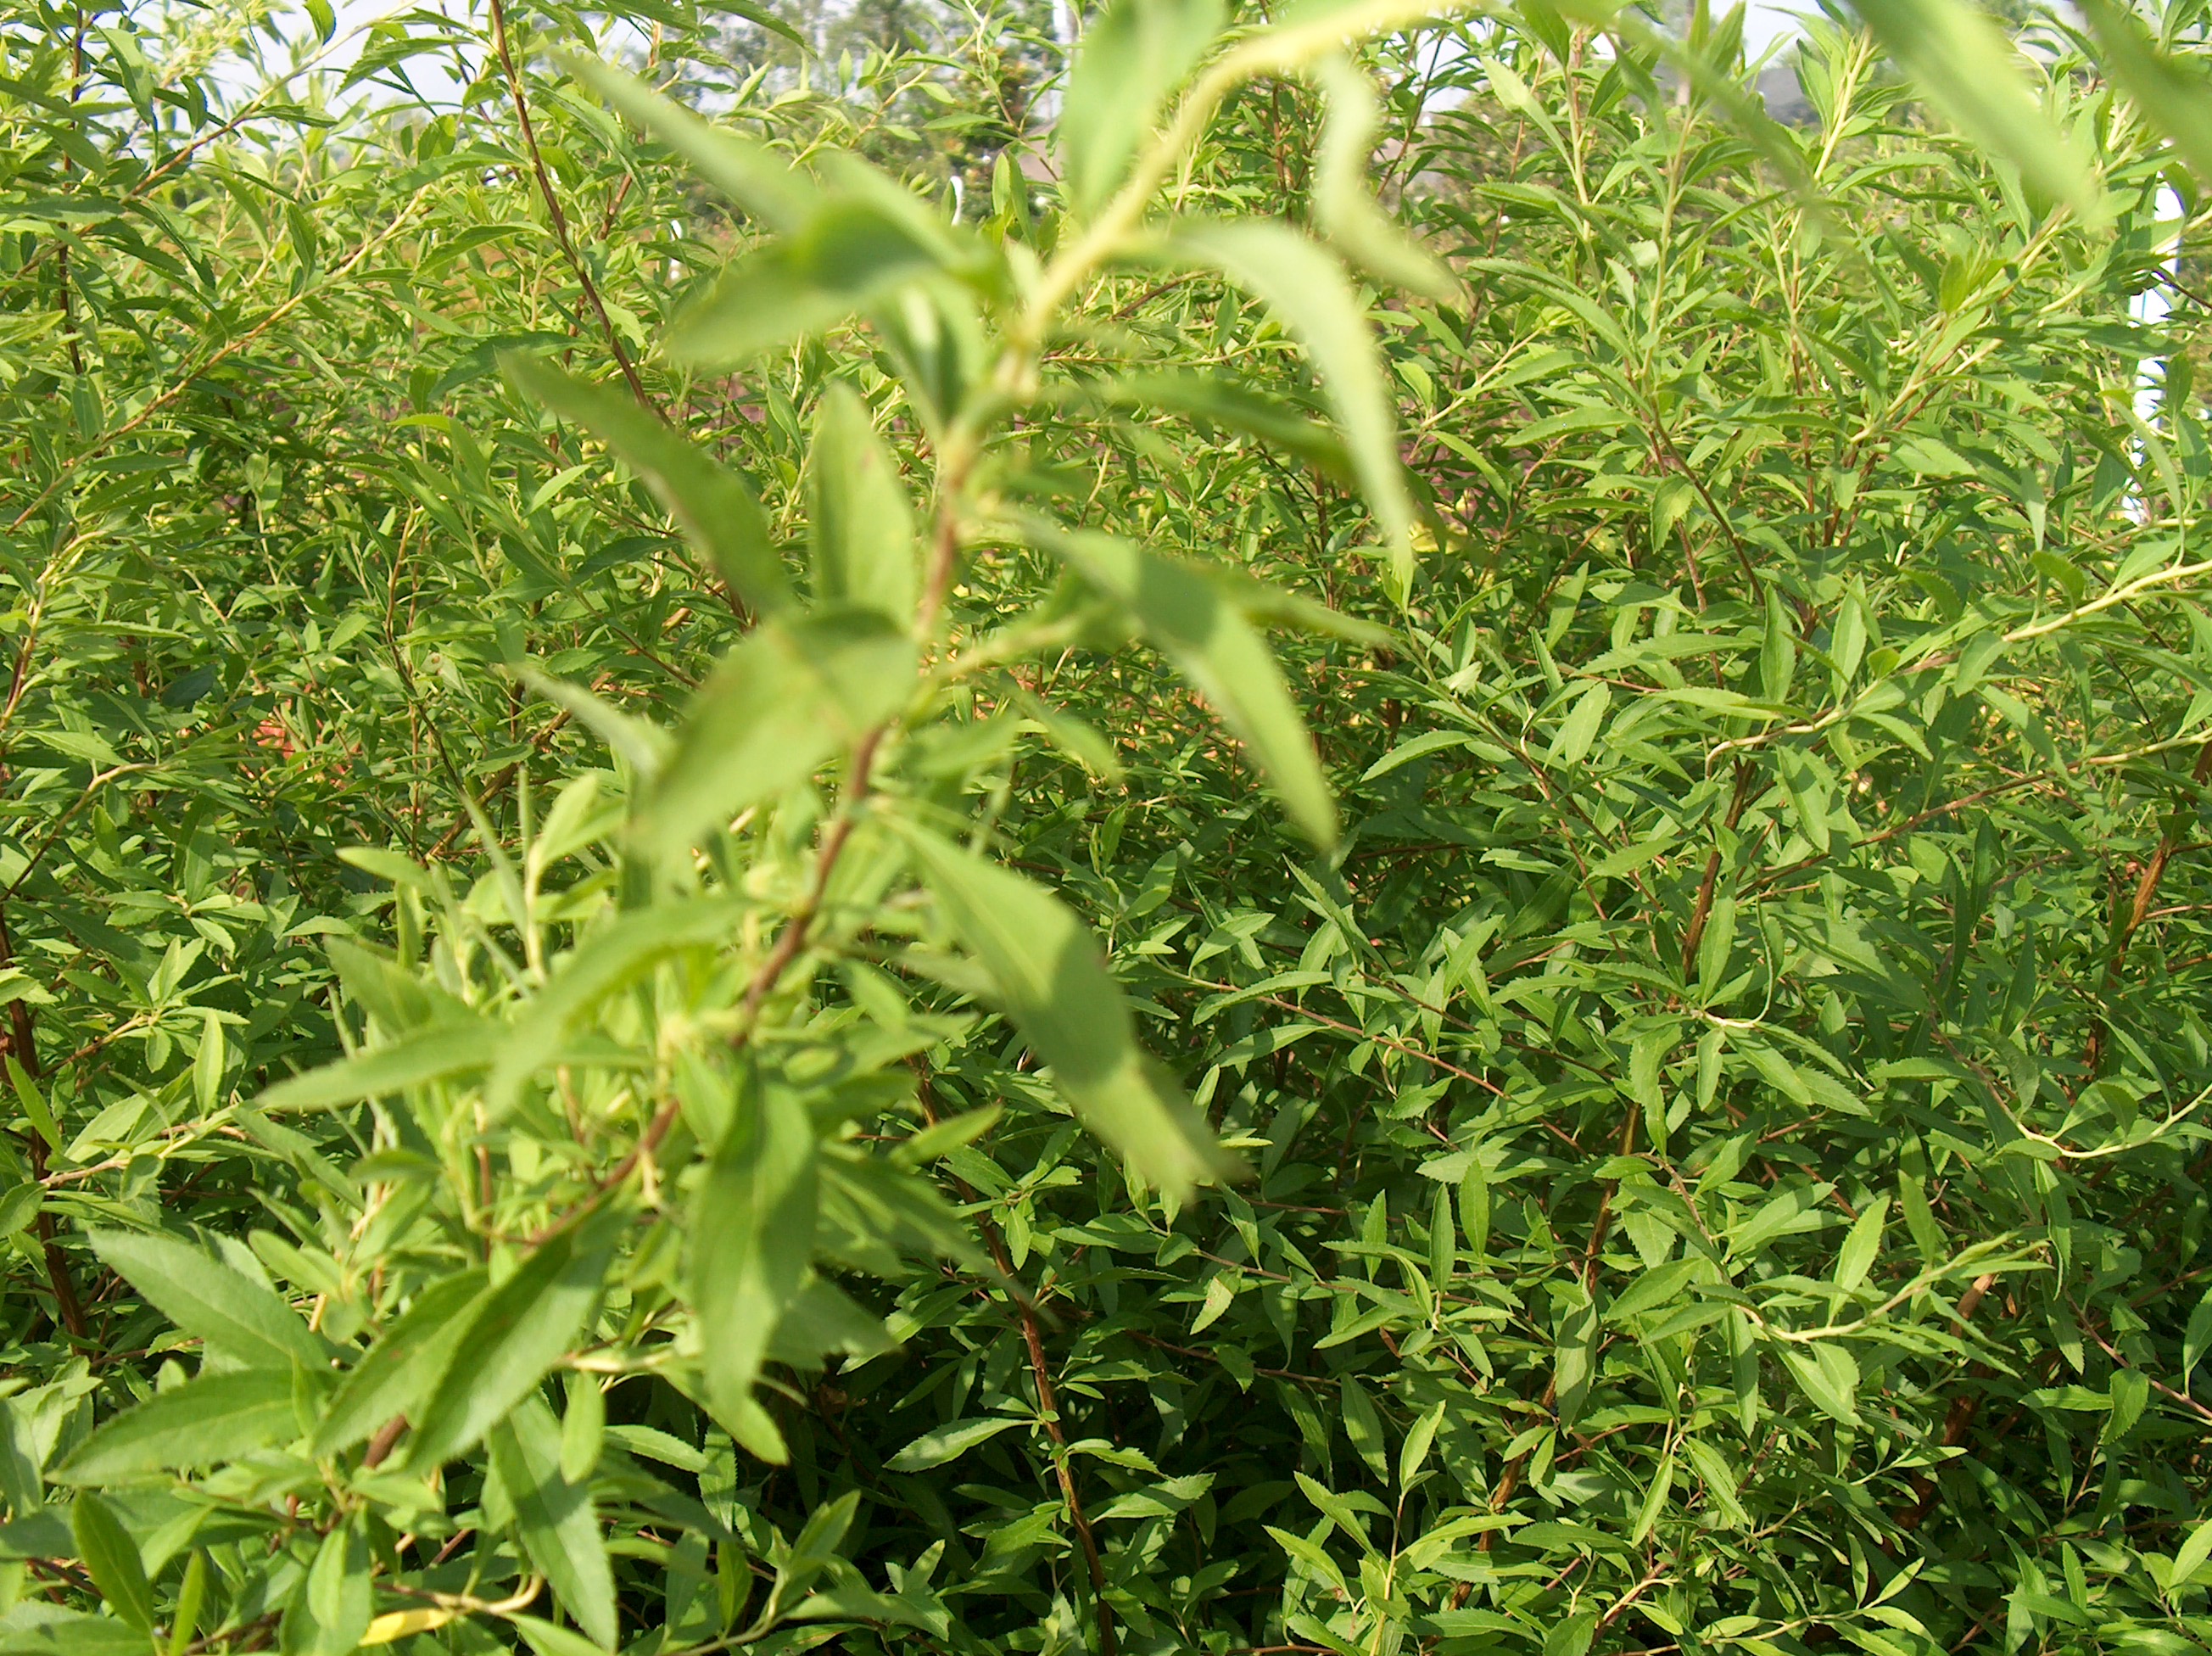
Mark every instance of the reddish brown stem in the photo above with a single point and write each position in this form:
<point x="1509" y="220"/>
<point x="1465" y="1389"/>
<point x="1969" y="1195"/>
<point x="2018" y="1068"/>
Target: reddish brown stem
<point x="20" y="1041"/>
<point x="2126" y="925"/>
<point x="1048" y="1403"/>
<point x="1693" y="938"/>
<point x="560" y="219"/>
<point x="1957" y="1423"/>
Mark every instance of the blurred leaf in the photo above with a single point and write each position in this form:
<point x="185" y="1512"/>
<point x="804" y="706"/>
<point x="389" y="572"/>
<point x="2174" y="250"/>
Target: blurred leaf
<point x="331" y="1614"/>
<point x="439" y="1052"/>
<point x="1345" y="207"/>
<point x="1050" y="977"/>
<point x="1307" y="291"/>
<point x="518" y="1330"/>
<point x="1964" y="62"/>
<point x="752" y="1230"/>
<point x="716" y="508"/>
<point x="1134" y="56"/>
<point x="778" y="706"/>
<point x="749" y="174"/>
<point x="2173" y="93"/>
<point x="864" y="553"/>
<point x="400" y="1369"/>
<point x="1194" y="623"/>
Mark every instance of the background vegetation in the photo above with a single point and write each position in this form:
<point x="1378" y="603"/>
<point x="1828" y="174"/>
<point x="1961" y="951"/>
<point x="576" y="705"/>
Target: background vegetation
<point x="952" y="867"/>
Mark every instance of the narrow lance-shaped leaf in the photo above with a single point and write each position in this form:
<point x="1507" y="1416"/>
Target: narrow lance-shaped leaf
<point x="441" y="1052"/>
<point x="1047" y="967"/>
<point x="752" y="1232"/>
<point x="1134" y="55"/>
<point x="110" y="1558"/>
<point x="1308" y="292"/>
<point x="869" y="238"/>
<point x="402" y="1366"/>
<point x="749" y="174"/>
<point x="331" y="1613"/>
<point x="603" y="962"/>
<point x="778" y="706"/>
<point x="715" y="507"/>
<point x="215" y="1418"/>
<point x="1964" y="62"/>
<point x="2174" y="94"/>
<point x="946" y="1443"/>
<point x="517" y="1332"/>
<point x="864" y="542"/>
<point x="1193" y="622"/>
<point x="554" y="1518"/>
<point x="1344" y="203"/>
<point x="240" y="1320"/>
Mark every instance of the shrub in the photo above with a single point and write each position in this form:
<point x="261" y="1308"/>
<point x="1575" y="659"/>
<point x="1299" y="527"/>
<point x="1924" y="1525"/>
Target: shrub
<point x="753" y="903"/>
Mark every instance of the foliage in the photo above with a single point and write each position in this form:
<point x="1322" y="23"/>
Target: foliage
<point x="745" y="908"/>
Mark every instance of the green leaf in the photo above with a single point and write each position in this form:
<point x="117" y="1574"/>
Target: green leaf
<point x="1964" y="62"/>
<point x="19" y="1206"/>
<point x="639" y="744"/>
<point x="864" y="243"/>
<point x="2196" y="1339"/>
<point x="948" y="1442"/>
<point x="36" y="1628"/>
<point x="714" y="506"/>
<point x="551" y="1639"/>
<point x="110" y="1558"/>
<point x="1829" y="1376"/>
<point x="1215" y="399"/>
<point x="191" y="1598"/>
<point x="403" y="1365"/>
<point x="332" y="1609"/>
<point x="821" y="1319"/>
<point x="34" y="1103"/>
<point x="749" y="174"/>
<point x="2129" y="1391"/>
<point x="1580" y="727"/>
<point x="1474" y="1210"/>
<point x="1049" y="976"/>
<point x="1308" y="291"/>
<point x="1720" y="1481"/>
<point x="1195" y="624"/>
<point x="1858" y="1254"/>
<point x="213" y="1419"/>
<point x="1345" y="207"/>
<point x="583" y="1428"/>
<point x="517" y="1331"/>
<point x="554" y="1518"/>
<point x="1135" y="54"/>
<point x="1364" y="1426"/>
<point x="1413" y="1452"/>
<point x="2173" y="93"/>
<point x="240" y="1321"/>
<point x="604" y="961"/>
<point x="864" y="553"/>
<point x="778" y="706"/>
<point x="1778" y="653"/>
<point x="752" y="1233"/>
<point x="2189" y="1556"/>
<point x="816" y="1545"/>
<point x="441" y="1052"/>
